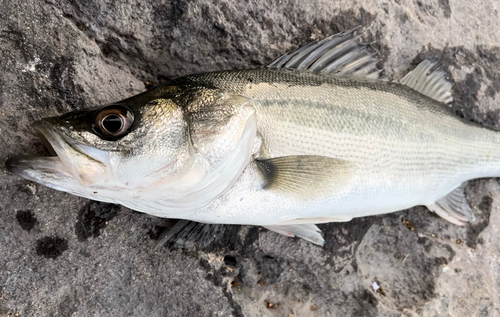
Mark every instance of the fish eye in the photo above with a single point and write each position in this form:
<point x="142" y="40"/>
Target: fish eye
<point x="111" y="123"/>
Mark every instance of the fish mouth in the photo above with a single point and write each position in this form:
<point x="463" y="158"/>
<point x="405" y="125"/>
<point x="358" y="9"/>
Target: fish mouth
<point x="36" y="168"/>
<point x="61" y="166"/>
<point x="44" y="140"/>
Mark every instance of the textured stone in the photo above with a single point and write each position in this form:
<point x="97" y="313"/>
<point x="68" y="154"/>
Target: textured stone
<point x="65" y="256"/>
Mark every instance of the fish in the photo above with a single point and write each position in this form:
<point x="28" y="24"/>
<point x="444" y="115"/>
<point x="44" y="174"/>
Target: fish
<point x="314" y="137"/>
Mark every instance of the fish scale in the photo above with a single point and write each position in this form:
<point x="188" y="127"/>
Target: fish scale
<point x="395" y="113"/>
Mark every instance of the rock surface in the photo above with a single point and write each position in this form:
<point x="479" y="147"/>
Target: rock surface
<point x="64" y="256"/>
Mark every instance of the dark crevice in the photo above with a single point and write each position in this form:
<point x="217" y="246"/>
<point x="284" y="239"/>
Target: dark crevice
<point x="51" y="247"/>
<point x="93" y="218"/>
<point x="26" y="219"/>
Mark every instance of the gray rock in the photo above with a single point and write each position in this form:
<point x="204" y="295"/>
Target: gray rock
<point x="64" y="256"/>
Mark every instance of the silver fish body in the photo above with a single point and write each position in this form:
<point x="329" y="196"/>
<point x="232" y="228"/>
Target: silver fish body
<point x="314" y="137"/>
<point x="407" y="149"/>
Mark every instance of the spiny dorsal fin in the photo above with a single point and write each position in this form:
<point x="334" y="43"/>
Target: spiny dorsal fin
<point x="454" y="207"/>
<point x="432" y="84"/>
<point x="306" y="176"/>
<point x="339" y="54"/>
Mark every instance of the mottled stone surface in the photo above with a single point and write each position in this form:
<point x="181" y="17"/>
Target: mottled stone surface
<point x="61" y="255"/>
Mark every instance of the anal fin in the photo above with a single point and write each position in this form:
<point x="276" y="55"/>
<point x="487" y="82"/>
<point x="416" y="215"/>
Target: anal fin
<point x="454" y="207"/>
<point x="308" y="232"/>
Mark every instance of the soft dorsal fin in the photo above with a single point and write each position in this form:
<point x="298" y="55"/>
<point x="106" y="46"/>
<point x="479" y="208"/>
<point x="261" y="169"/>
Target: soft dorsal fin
<point x="339" y="54"/>
<point x="432" y="84"/>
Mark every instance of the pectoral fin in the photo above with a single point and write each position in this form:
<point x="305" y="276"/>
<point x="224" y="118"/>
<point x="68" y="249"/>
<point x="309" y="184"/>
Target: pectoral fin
<point x="306" y="176"/>
<point x="308" y="232"/>
<point x="324" y="219"/>
<point x="454" y="207"/>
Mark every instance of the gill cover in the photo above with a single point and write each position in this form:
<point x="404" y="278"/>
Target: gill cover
<point x="223" y="133"/>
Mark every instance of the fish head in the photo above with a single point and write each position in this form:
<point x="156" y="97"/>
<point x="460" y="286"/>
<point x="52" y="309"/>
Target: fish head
<point x="154" y="146"/>
<point x="126" y="146"/>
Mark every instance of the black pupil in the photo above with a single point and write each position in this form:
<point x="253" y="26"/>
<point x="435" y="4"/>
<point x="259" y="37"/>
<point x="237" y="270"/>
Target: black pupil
<point x="112" y="123"/>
